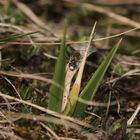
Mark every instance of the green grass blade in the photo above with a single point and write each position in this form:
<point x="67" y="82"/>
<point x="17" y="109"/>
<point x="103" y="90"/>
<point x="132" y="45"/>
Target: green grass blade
<point x="90" y="89"/>
<point x="14" y="37"/>
<point x="56" y="94"/>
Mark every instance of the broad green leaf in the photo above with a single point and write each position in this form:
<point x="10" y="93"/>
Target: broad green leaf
<point x="14" y="37"/>
<point x="90" y="89"/>
<point x="56" y="94"/>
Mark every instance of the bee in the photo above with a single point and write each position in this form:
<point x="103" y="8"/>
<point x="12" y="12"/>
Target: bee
<point x="77" y="55"/>
<point x="74" y="60"/>
<point x="72" y="64"/>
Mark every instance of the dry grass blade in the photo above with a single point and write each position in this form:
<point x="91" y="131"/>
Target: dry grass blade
<point x="108" y="13"/>
<point x="30" y="76"/>
<point x="130" y="63"/>
<point x="50" y="131"/>
<point x="50" y="56"/>
<point x="18" y="29"/>
<point x="81" y="69"/>
<point x="130" y="121"/>
<point x="69" y="75"/>
<point x="75" y="121"/>
<point x="76" y="42"/>
<point x="15" y="116"/>
<point x="13" y="87"/>
<point x="5" y="117"/>
<point x="77" y="84"/>
<point x="129" y="73"/>
<point x="97" y="104"/>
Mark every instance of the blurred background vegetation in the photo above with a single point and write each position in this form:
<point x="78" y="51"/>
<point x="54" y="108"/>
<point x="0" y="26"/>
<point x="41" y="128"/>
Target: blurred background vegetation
<point x="24" y="63"/>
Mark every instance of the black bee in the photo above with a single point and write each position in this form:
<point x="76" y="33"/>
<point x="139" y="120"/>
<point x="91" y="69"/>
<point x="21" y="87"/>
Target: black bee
<point x="73" y="62"/>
